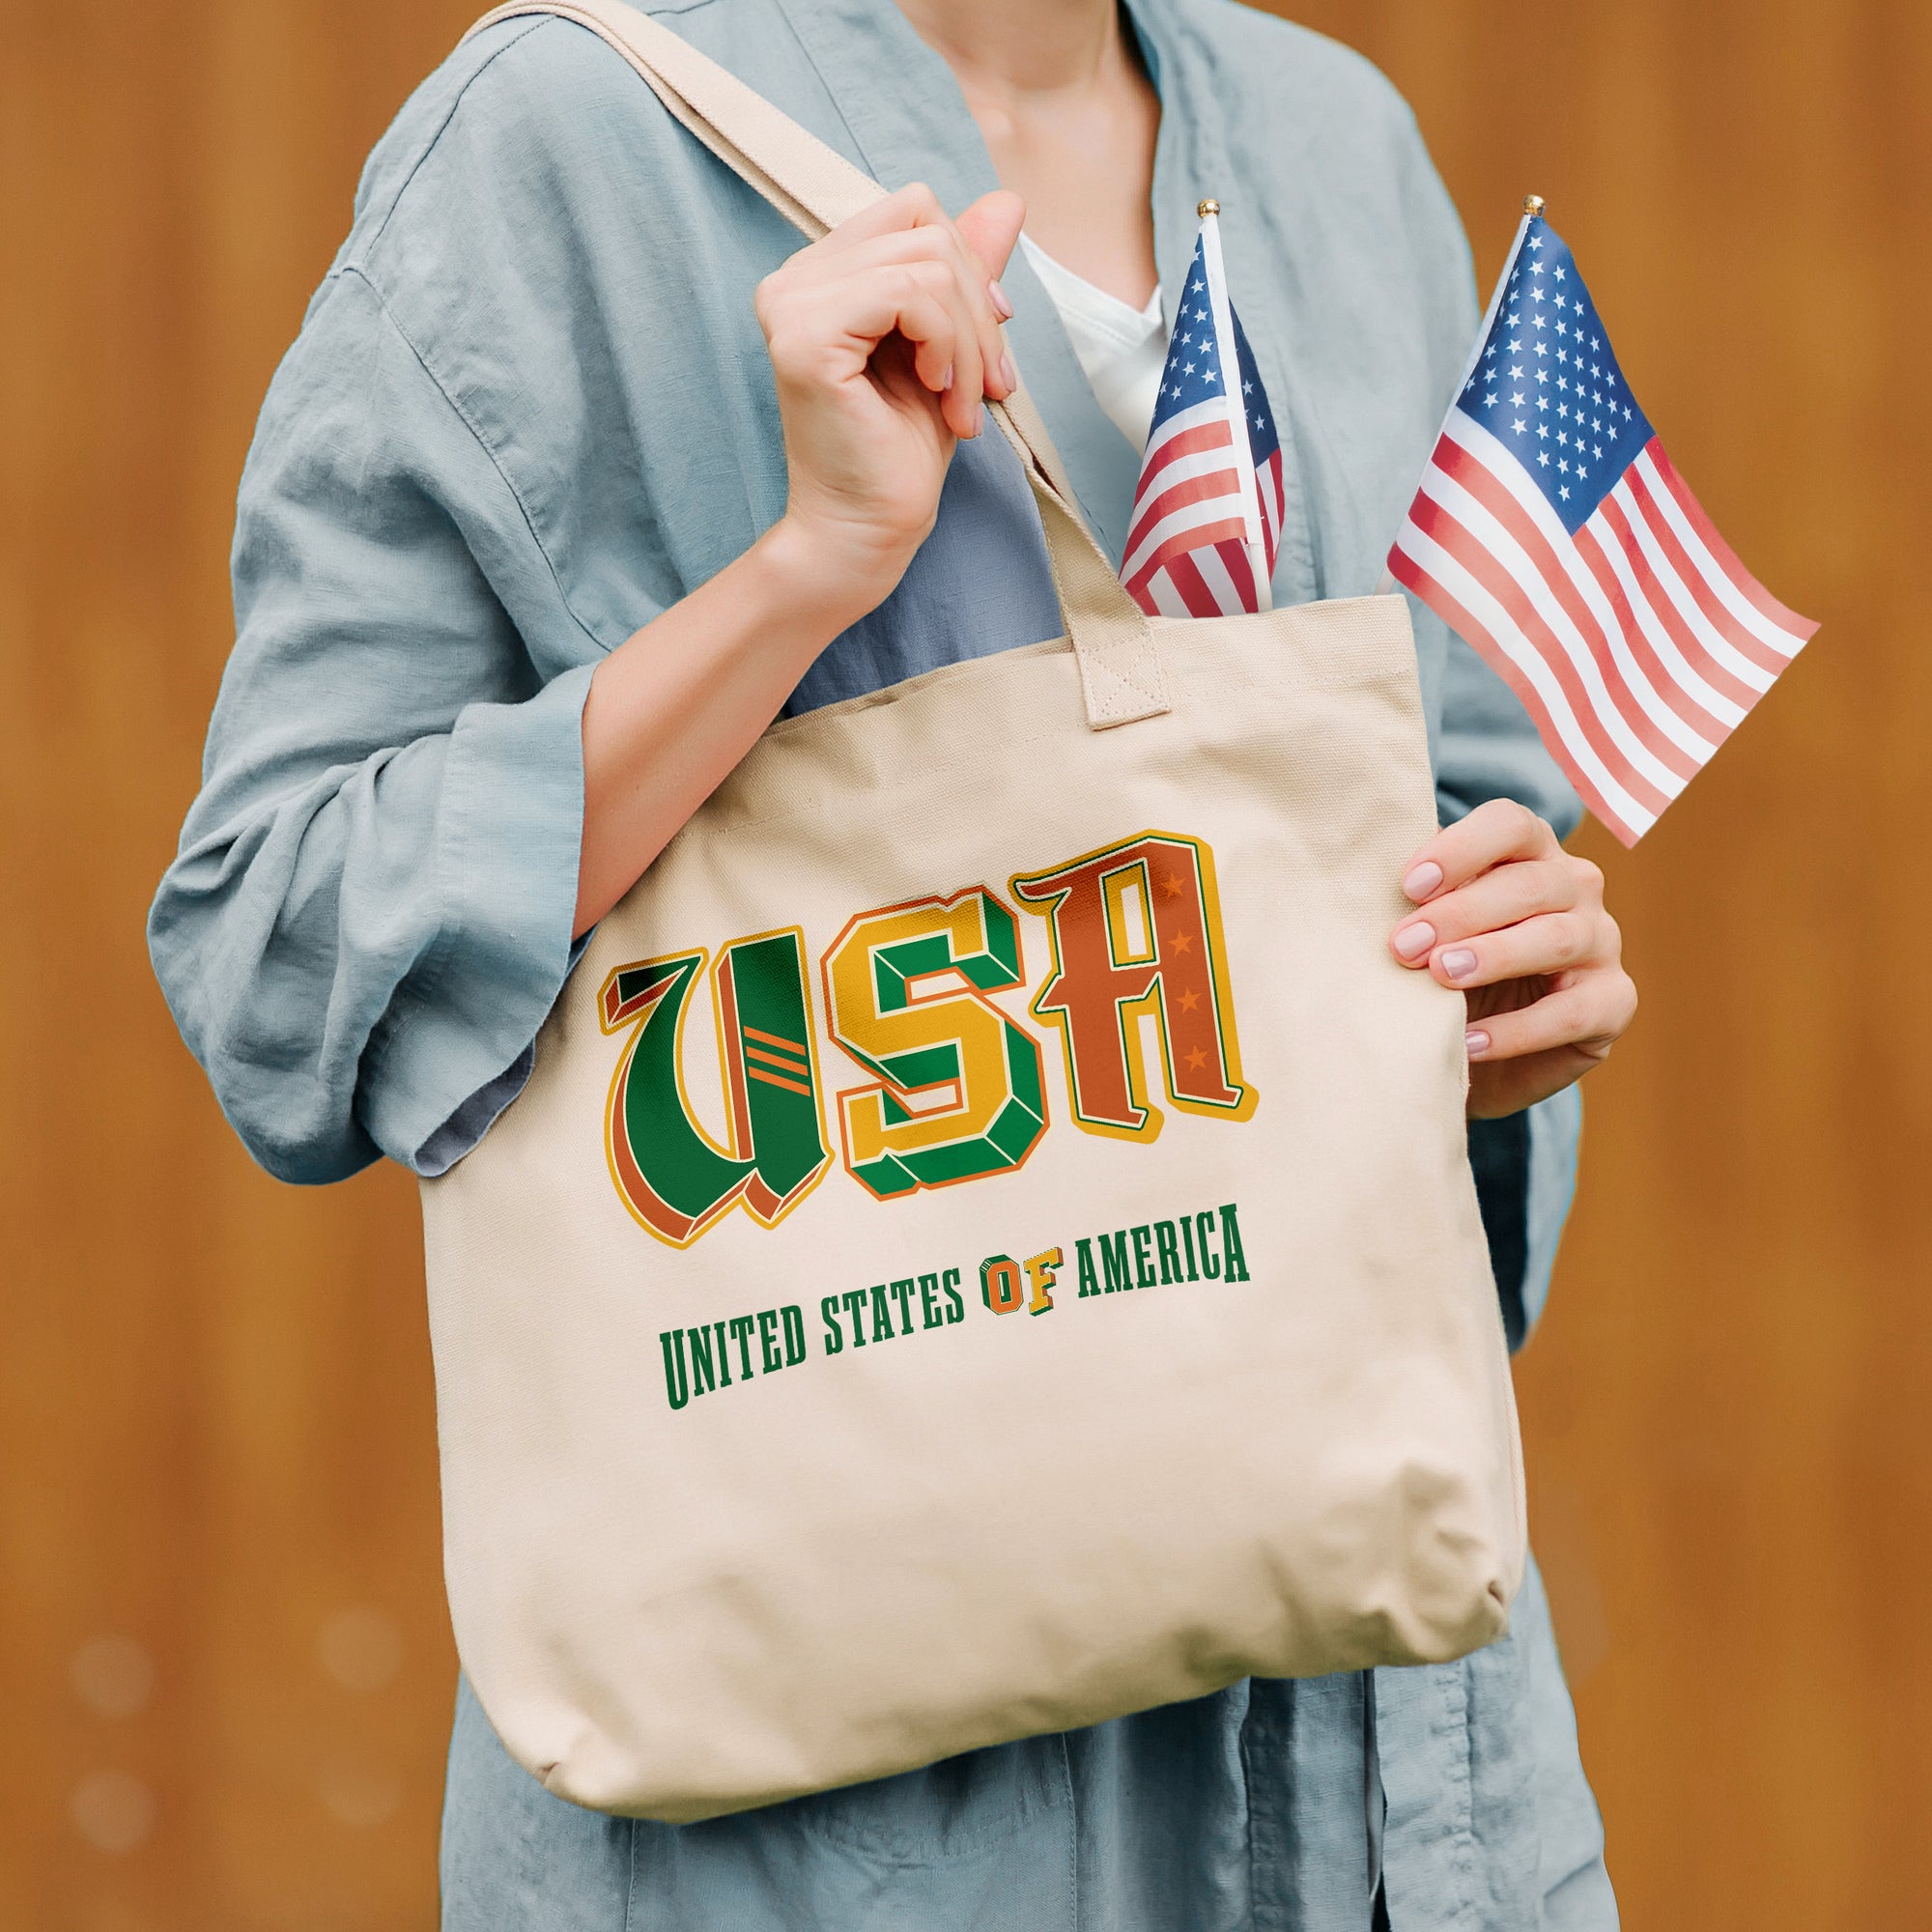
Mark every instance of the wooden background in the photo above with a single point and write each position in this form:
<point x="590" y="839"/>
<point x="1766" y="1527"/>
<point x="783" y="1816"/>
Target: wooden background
<point x="225" y="1670"/>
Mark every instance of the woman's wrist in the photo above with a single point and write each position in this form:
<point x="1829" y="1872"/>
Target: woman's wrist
<point x="814" y="579"/>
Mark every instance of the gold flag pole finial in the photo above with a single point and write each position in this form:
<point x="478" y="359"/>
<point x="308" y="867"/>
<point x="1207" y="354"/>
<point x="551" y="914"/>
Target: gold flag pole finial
<point x="1533" y="205"/>
<point x="1207" y="208"/>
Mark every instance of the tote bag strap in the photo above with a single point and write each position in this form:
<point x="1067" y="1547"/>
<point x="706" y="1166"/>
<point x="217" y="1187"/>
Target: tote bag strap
<point x="816" y="188"/>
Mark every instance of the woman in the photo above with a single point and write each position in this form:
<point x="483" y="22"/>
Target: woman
<point x="579" y="471"/>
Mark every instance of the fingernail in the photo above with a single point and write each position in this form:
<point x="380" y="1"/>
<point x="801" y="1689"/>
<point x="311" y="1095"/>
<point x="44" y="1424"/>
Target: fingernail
<point x="945" y="380"/>
<point x="1460" y="963"/>
<point x="1008" y="374"/>
<point x="1477" y="1041"/>
<point x="1423" y="881"/>
<point x="997" y="296"/>
<point x="1413" y="941"/>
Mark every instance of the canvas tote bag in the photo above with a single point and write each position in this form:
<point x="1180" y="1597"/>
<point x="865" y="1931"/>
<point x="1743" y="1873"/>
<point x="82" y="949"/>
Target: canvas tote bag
<point x="988" y="1242"/>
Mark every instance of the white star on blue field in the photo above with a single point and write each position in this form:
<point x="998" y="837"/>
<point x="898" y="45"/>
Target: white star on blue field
<point x="1547" y="386"/>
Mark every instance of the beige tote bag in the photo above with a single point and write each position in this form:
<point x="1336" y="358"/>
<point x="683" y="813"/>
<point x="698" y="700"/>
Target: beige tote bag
<point x="988" y="1243"/>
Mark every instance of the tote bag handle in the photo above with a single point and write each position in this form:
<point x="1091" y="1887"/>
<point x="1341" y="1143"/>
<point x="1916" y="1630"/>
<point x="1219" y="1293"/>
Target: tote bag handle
<point x="816" y="190"/>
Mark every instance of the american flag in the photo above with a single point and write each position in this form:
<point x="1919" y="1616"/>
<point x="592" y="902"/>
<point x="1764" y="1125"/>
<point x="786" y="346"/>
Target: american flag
<point x="1553" y="533"/>
<point x="1207" y="517"/>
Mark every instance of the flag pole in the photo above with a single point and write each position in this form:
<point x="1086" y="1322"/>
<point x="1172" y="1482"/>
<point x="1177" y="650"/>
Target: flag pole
<point x="1533" y="206"/>
<point x="1209" y="211"/>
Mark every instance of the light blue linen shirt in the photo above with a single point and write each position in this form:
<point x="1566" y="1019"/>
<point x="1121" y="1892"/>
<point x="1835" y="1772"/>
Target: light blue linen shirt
<point x="529" y="410"/>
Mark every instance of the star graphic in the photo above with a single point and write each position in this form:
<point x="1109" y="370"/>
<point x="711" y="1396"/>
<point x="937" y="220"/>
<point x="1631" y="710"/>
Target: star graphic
<point x="1189" y="1000"/>
<point x="1170" y="884"/>
<point x="1197" y="1060"/>
<point x="1184" y="941"/>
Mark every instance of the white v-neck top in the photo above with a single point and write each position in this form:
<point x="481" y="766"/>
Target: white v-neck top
<point x="1120" y="349"/>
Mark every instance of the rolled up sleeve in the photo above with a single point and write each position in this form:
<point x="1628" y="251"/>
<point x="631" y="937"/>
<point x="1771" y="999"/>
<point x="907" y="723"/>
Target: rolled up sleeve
<point x="370" y="914"/>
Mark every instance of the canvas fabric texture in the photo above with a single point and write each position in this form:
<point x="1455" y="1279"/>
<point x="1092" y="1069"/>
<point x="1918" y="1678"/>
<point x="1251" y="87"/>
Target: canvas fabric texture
<point x="988" y="1241"/>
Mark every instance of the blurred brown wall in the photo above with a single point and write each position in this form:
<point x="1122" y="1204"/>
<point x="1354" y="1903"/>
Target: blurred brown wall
<point x="225" y="1670"/>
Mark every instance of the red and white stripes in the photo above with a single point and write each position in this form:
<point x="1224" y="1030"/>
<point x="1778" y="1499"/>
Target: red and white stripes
<point x="1187" y="551"/>
<point x="1637" y="645"/>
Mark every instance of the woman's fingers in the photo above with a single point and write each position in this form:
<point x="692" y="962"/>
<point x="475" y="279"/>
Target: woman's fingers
<point x="992" y="229"/>
<point x="829" y="332"/>
<point x="914" y="206"/>
<point x="910" y="228"/>
<point x="1542" y="947"/>
<point x="1496" y="833"/>
<point x="1586" y="1016"/>
<point x="1505" y="896"/>
<point x="947" y="271"/>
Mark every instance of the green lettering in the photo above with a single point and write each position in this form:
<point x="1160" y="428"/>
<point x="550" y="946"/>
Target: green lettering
<point x="1168" y="1247"/>
<point x="675" y="1387"/>
<point x="703" y="1373"/>
<point x="854" y="1303"/>
<point x="674" y="1177"/>
<point x="1143" y="1257"/>
<point x="1231" y="1244"/>
<point x="1114" y="1262"/>
<point x="835" y="1342"/>
<point x="768" y="1341"/>
<point x="882" y="1314"/>
<point x="956" y="1308"/>
<point x="928" y="1308"/>
<point x="724" y="1357"/>
<point x="793" y="1317"/>
<point x="1187" y="1236"/>
<point x="902" y="1293"/>
<point x="1205" y="1222"/>
<point x="1089" y="1282"/>
<point x="741" y="1333"/>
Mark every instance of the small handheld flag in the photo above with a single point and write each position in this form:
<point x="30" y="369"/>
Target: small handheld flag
<point x="1207" y="516"/>
<point x="1554" y="535"/>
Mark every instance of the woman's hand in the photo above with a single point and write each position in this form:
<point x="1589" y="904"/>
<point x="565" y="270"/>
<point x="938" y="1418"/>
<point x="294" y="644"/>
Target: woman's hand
<point x="1518" y="925"/>
<point x="884" y="338"/>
